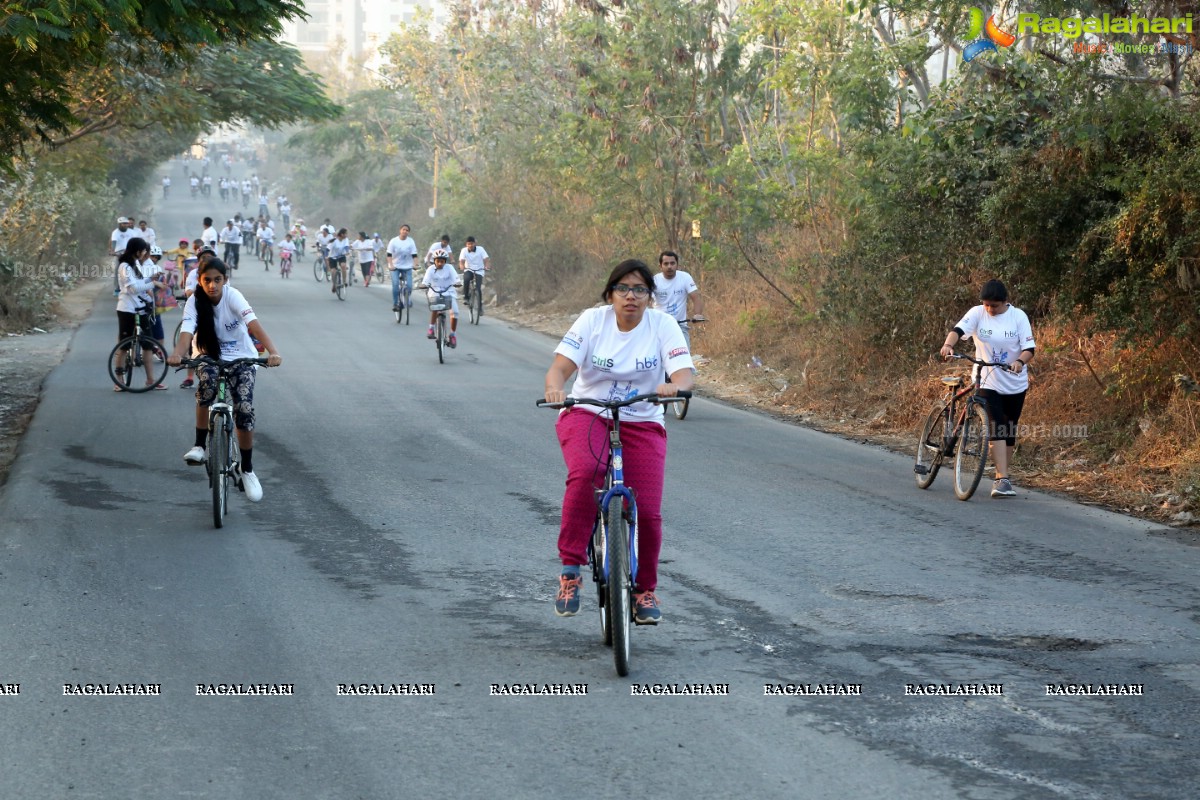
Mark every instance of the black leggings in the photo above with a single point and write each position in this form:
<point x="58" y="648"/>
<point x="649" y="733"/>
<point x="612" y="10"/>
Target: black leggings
<point x="1005" y="411"/>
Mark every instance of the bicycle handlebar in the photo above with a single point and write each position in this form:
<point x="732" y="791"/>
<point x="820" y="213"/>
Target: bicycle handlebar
<point x="613" y="404"/>
<point x="977" y="362"/>
<point x="205" y="361"/>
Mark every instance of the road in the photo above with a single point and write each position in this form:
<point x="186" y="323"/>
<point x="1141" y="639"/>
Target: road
<point x="407" y="537"/>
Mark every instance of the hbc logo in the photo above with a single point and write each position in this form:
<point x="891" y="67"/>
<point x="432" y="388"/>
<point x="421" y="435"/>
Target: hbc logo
<point x="647" y="363"/>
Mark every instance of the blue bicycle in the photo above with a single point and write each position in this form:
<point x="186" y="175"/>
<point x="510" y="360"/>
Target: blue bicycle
<point x="612" y="550"/>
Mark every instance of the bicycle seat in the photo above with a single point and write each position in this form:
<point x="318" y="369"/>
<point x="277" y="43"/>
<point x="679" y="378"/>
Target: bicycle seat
<point x="952" y="380"/>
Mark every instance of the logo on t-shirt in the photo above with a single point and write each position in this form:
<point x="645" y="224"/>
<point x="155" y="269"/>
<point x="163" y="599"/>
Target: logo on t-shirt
<point x="602" y="364"/>
<point x="232" y="326"/>
<point x="573" y="339"/>
<point x="678" y="351"/>
<point x="646" y="363"/>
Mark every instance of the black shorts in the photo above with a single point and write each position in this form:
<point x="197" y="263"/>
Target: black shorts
<point x="1005" y="411"/>
<point x="366" y="267"/>
<point x="127" y="324"/>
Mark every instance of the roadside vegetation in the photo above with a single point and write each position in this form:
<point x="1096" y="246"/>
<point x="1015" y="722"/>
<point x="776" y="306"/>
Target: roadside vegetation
<point x="839" y="180"/>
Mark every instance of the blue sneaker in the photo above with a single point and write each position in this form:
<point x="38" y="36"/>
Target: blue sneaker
<point x="645" y="609"/>
<point x="567" y="602"/>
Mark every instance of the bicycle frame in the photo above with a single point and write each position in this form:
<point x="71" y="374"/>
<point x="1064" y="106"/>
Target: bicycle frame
<point x="615" y="488"/>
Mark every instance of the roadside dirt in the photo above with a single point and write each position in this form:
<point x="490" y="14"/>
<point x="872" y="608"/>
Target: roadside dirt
<point x="27" y="357"/>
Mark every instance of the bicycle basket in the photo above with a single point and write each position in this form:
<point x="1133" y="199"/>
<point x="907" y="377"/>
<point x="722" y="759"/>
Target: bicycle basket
<point x="439" y="304"/>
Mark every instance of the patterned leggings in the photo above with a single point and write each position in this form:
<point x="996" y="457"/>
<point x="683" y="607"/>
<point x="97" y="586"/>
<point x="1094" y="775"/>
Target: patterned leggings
<point x="584" y="439"/>
<point x="241" y="393"/>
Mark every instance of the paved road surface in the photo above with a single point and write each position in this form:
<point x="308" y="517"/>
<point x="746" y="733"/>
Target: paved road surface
<point x="407" y="537"/>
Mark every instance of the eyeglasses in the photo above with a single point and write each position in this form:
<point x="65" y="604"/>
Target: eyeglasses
<point x="638" y="291"/>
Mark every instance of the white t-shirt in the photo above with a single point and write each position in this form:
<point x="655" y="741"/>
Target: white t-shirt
<point x="615" y="365"/>
<point x="474" y="260"/>
<point x="402" y="252"/>
<point x="671" y="295"/>
<point x="366" y="250"/>
<point x="441" y="280"/>
<point x="287" y="247"/>
<point x="120" y="238"/>
<point x="338" y="248"/>
<point x="266" y="234"/>
<point x="1000" y="338"/>
<point x="135" y="295"/>
<point x="209" y="237"/>
<point x="230" y="235"/>
<point x="232" y="316"/>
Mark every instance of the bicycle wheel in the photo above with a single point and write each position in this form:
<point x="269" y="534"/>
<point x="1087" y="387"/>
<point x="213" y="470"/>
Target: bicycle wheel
<point x="175" y="336"/>
<point x="218" y="454"/>
<point x="319" y="269"/>
<point x="407" y="307"/>
<point x="339" y="285"/>
<point x="471" y="307"/>
<point x="121" y="380"/>
<point x="972" y="451"/>
<point x="597" y="558"/>
<point x="439" y="337"/>
<point x="681" y="408"/>
<point x="478" y="305"/>
<point x="619" y="601"/>
<point x="930" y="447"/>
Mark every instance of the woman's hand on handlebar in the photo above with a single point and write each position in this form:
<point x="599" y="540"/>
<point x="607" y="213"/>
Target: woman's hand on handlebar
<point x="946" y="352"/>
<point x="274" y="359"/>
<point x="666" y="390"/>
<point x="555" y="395"/>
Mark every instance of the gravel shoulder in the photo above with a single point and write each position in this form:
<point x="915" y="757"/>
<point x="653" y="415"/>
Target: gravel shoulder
<point x="27" y="357"/>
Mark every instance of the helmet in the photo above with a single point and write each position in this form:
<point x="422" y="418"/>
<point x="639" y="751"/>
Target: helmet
<point x="155" y="250"/>
<point x="122" y="220"/>
<point x="374" y="235"/>
<point x="183" y="241"/>
<point x="208" y="249"/>
<point x="441" y="252"/>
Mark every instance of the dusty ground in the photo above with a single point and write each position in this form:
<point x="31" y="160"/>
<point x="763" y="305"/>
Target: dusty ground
<point x="26" y="358"/>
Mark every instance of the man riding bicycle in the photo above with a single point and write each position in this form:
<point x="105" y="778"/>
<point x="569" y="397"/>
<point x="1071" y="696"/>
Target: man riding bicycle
<point x="402" y="260"/>
<point x="674" y="289"/>
<point x="473" y="261"/>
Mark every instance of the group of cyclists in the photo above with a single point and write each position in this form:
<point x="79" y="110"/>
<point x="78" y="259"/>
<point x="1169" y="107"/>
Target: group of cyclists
<point x="636" y="342"/>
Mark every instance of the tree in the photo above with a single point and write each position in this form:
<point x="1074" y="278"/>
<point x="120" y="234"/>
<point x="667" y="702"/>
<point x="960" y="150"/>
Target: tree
<point x="46" y="44"/>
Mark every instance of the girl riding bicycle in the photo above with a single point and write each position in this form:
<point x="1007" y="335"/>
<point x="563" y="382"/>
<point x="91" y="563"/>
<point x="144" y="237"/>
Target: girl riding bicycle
<point x="219" y="323"/>
<point x="620" y="350"/>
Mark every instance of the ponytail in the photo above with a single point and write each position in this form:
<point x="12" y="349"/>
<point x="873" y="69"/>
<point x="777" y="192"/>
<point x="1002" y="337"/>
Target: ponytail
<point x="206" y="318"/>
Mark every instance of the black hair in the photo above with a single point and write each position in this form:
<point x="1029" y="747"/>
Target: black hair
<point x="208" y="222"/>
<point x="627" y="267"/>
<point x="134" y="246"/>
<point x="670" y="253"/>
<point x="206" y="320"/>
<point x="445" y="237"/>
<point x="470" y="238"/>
<point x="994" y="291"/>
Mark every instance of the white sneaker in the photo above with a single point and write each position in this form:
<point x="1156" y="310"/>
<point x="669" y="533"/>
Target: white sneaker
<point x="251" y="487"/>
<point x="196" y="456"/>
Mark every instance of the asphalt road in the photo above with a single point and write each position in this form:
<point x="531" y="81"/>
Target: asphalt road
<point x="407" y="537"/>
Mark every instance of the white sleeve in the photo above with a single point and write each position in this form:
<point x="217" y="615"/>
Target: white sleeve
<point x="1026" y="333"/>
<point x="577" y="341"/>
<point x="674" y="350"/>
<point x="970" y="322"/>
<point x="240" y="306"/>
<point x="189" y="316"/>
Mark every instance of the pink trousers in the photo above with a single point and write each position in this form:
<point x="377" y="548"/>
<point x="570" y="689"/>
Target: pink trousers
<point x="584" y="440"/>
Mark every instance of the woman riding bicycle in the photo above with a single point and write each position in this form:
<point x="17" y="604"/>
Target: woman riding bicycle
<point x="620" y="350"/>
<point x="1002" y="334"/>
<point x="441" y="279"/>
<point x="222" y="323"/>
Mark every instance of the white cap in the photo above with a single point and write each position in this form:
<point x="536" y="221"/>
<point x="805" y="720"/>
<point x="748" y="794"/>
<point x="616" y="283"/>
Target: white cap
<point x="122" y="220"/>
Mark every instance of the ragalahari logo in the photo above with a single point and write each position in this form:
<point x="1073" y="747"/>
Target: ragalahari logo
<point x="984" y="37"/>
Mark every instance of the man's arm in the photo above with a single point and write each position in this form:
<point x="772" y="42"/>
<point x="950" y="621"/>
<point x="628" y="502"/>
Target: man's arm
<point x="697" y="303"/>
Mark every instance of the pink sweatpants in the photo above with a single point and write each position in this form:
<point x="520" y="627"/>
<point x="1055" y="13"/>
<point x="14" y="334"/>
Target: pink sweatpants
<point x="584" y="440"/>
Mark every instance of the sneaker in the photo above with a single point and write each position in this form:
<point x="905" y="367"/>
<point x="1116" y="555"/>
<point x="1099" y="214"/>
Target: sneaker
<point x="187" y="384"/>
<point x="453" y="341"/>
<point x="645" y="609"/>
<point x="249" y="484"/>
<point x="430" y="334"/>
<point x="567" y="602"/>
<point x="196" y="456"/>
<point x="395" y="308"/>
<point x="1003" y="488"/>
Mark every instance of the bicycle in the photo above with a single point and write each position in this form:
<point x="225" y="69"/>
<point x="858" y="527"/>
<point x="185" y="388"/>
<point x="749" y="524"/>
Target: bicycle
<point x="681" y="409"/>
<point x="403" y="312"/>
<point x="441" y="327"/>
<point x="221" y="449"/>
<point x="474" y="299"/>
<point x="320" y="267"/>
<point x="267" y="255"/>
<point x="339" y="283"/>
<point x="139" y="350"/>
<point x="962" y="433"/>
<point x="612" y="549"/>
<point x="285" y="265"/>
